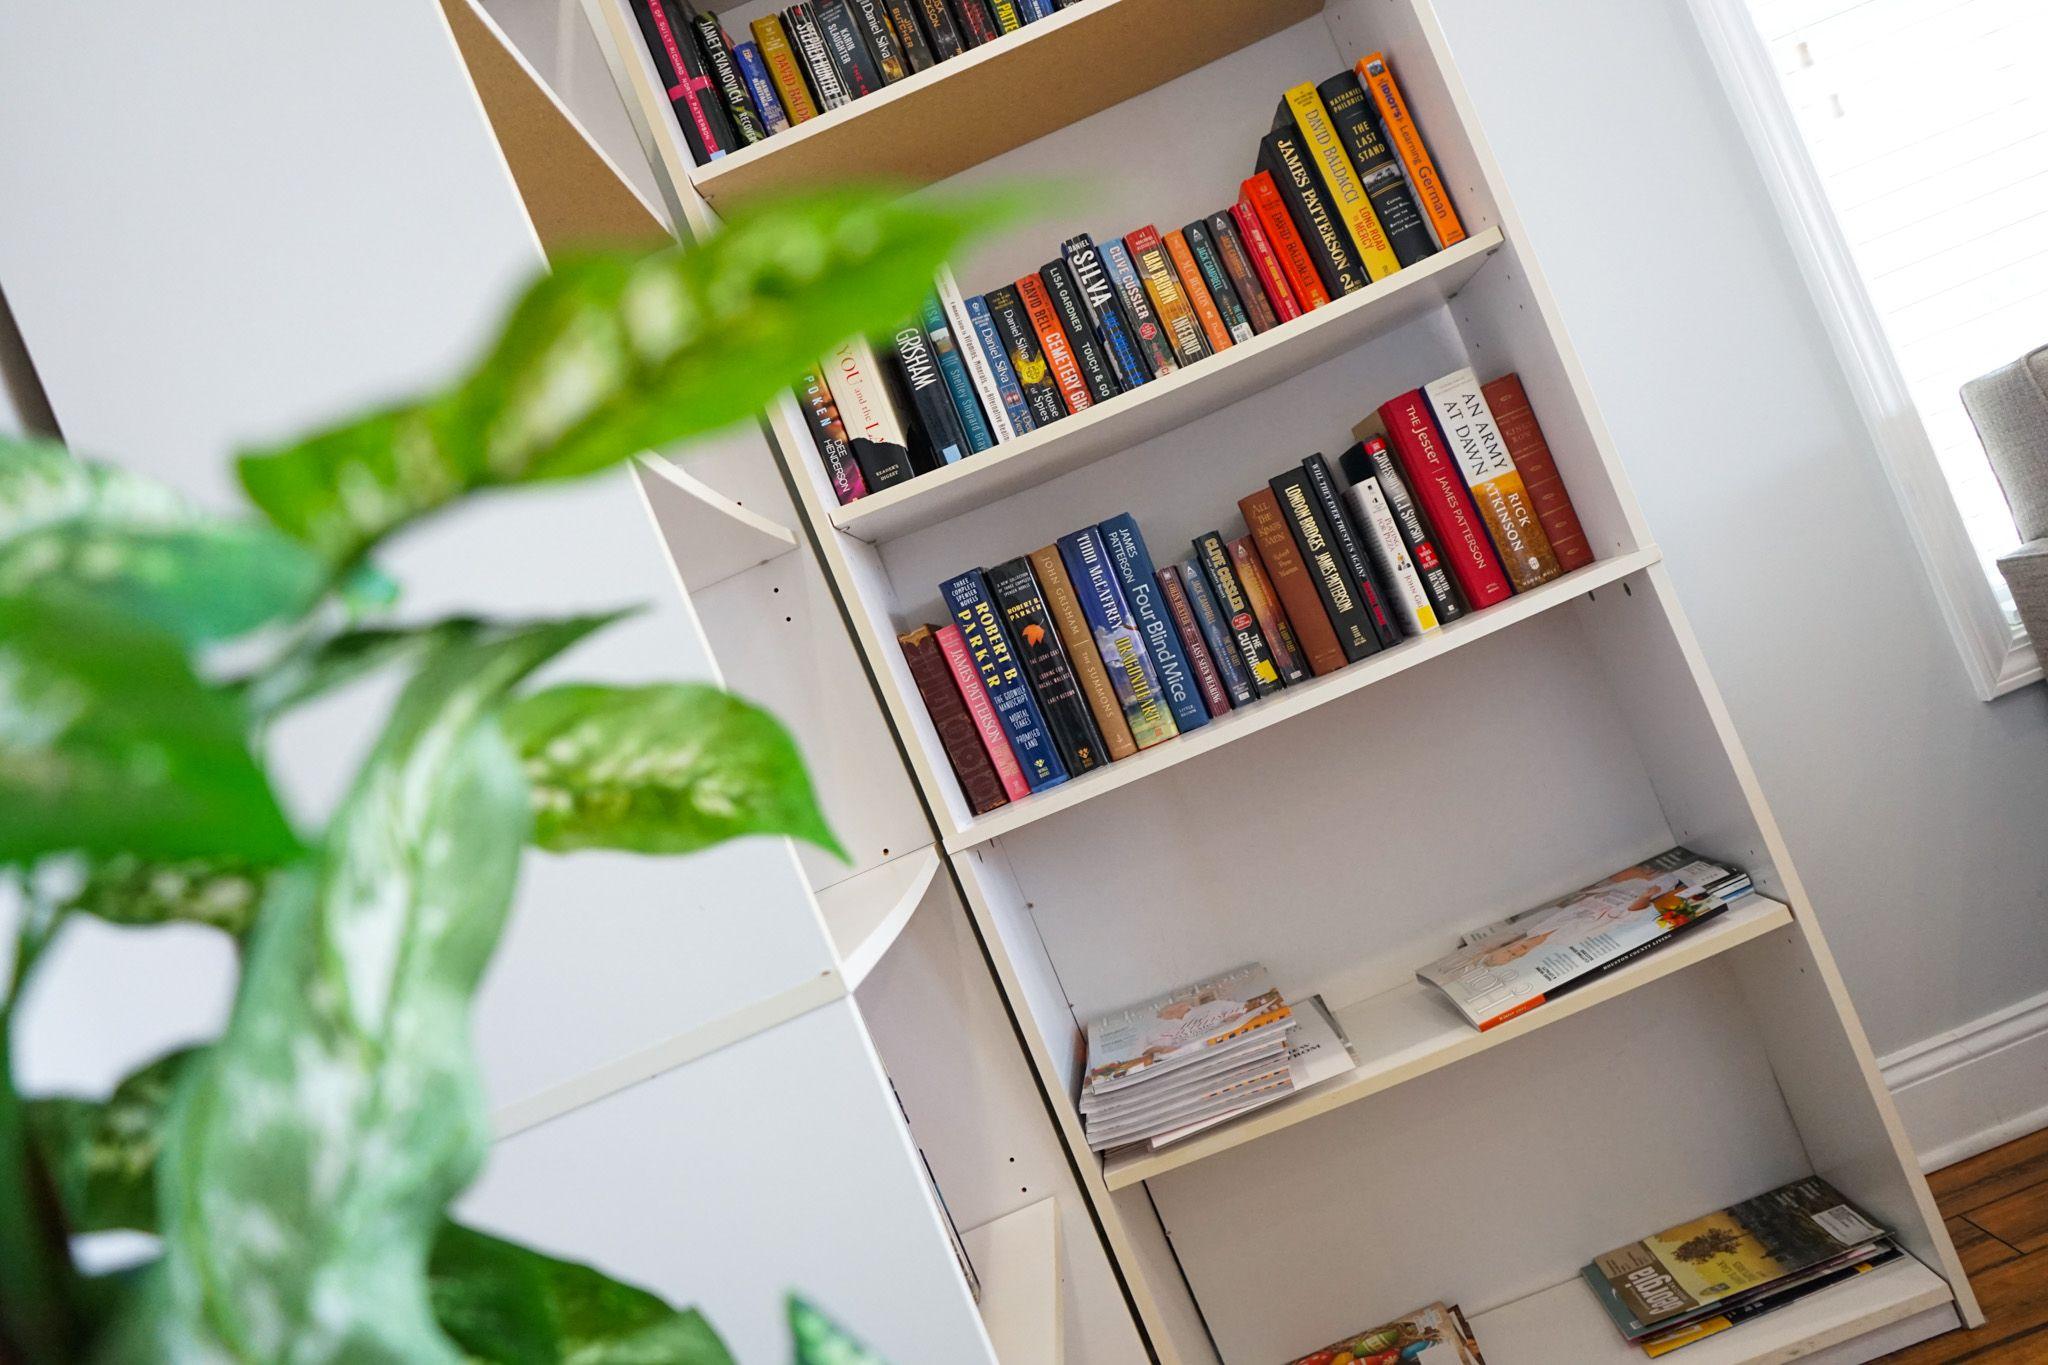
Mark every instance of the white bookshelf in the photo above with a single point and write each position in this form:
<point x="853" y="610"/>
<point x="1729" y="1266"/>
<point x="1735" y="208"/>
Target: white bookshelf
<point x="1344" y="831"/>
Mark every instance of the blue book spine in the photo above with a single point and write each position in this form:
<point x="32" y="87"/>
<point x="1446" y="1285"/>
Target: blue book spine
<point x="981" y="626"/>
<point x="754" y="72"/>
<point x="1222" y="644"/>
<point x="1098" y="295"/>
<point x="1034" y="10"/>
<point x="954" y="371"/>
<point x="1134" y="571"/>
<point x="998" y="357"/>
<point x="1125" y="655"/>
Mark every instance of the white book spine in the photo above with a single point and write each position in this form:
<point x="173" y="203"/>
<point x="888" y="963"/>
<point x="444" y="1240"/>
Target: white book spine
<point x="1390" y="555"/>
<point x="1474" y="437"/>
<point x="854" y="375"/>
<point x="969" y="344"/>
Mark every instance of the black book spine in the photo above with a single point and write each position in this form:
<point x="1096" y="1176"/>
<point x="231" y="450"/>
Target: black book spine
<point x="977" y="24"/>
<point x="1098" y="296"/>
<point x="725" y="74"/>
<point x="1008" y="17"/>
<point x="814" y="55"/>
<point x="924" y="453"/>
<point x="1214" y="558"/>
<point x="699" y="108"/>
<point x="1222" y="293"/>
<point x="1080" y="330"/>
<point x="917" y="53"/>
<point x="929" y="397"/>
<point x="1436" y="577"/>
<point x="1351" y="549"/>
<point x="1244" y="276"/>
<point x="1029" y="625"/>
<point x="883" y="45"/>
<point x="945" y="34"/>
<point x="882" y="465"/>
<point x="1301" y="189"/>
<point x="1312" y="535"/>
<point x="849" y="51"/>
<point x="1041" y="394"/>
<point x="1358" y="128"/>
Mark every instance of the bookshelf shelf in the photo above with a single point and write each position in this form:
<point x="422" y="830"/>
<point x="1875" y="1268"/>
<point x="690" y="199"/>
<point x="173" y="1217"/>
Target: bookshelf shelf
<point x="1017" y="1257"/>
<point x="1410" y="1031"/>
<point x="867" y="912"/>
<point x="1236" y="725"/>
<point x="1041" y="77"/>
<point x="1164" y="404"/>
<point x="709" y="536"/>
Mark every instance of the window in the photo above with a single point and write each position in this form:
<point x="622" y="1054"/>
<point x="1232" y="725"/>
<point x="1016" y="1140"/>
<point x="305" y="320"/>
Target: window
<point x="1907" y="142"/>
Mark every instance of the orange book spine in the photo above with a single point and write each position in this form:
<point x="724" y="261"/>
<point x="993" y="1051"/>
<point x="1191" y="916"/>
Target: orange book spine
<point x="1407" y="140"/>
<point x="1059" y="354"/>
<point x="1197" y="292"/>
<point x="1295" y="263"/>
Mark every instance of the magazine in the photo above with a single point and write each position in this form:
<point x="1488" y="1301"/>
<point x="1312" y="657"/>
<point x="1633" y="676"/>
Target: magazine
<point x="1190" y="1025"/>
<point x="1436" y="1335"/>
<point x="1318" y="1052"/>
<point x="1666" y="1340"/>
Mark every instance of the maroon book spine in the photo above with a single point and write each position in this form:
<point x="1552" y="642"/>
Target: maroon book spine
<point x="957" y="730"/>
<point x="1215" y="696"/>
<point x="1509" y="403"/>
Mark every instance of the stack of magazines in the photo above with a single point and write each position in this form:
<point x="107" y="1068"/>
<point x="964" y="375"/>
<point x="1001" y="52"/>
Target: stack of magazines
<point x="1171" y="1067"/>
<point x="1701" y="1278"/>
<point x="1511" y="967"/>
<point x="1436" y="1335"/>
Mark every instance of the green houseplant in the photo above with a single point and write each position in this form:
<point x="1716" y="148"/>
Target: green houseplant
<point x="297" y="1169"/>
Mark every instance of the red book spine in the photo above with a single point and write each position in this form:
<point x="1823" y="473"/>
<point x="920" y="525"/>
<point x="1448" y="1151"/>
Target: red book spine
<point x="1264" y="261"/>
<point x="1438" y="487"/>
<point x="1059" y="356"/>
<point x="1286" y="242"/>
<point x="1509" y="403"/>
<point x="972" y="690"/>
<point x="1215" y="696"/>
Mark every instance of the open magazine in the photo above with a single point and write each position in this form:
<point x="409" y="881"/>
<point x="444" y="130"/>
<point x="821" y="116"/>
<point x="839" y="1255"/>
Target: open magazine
<point x="1436" y="1335"/>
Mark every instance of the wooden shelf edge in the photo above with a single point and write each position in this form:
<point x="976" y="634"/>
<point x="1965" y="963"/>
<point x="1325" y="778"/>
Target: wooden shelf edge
<point x="1017" y="1258"/>
<point x="709" y="537"/>
<point x="866" y="913"/>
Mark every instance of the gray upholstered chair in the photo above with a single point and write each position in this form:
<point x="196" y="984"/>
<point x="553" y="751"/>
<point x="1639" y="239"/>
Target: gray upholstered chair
<point x="2010" y="409"/>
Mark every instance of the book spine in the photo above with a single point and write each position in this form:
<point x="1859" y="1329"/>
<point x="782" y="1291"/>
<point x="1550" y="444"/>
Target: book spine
<point x="1222" y="292"/>
<point x="945" y="34"/>
<point x="1196" y="289"/>
<point x="998" y="355"/>
<point x="1008" y="19"/>
<point x="814" y="53"/>
<point x="1117" y="640"/>
<point x="928" y="394"/>
<point x="987" y="724"/>
<point x="1029" y="626"/>
<point x="1252" y="650"/>
<point x="1439" y="487"/>
<point x="1098" y="296"/>
<point x="1071" y="624"/>
<point x="1020" y="339"/>
<point x="1312" y="536"/>
<point x="1292" y="582"/>
<point x="874" y="427"/>
<point x="974" y="611"/>
<point x="1242" y="270"/>
<point x="1509" y="403"/>
<point x="1033" y="10"/>
<point x="690" y="92"/>
<point x="872" y="17"/>
<point x="958" y="734"/>
<point x="1065" y="295"/>
<point x="1169" y="301"/>
<point x="1351" y="552"/>
<point x="847" y="48"/>
<point x="1139" y="578"/>
<point x="946" y="350"/>
<point x="1415" y="533"/>
<point x="1216" y="633"/>
<point x="1154" y="347"/>
<point x="1265" y="262"/>
<point x="761" y="87"/>
<point x="1382" y="536"/>
<point x="917" y="54"/>
<point x="1358" y="128"/>
<point x="1282" y="156"/>
<point x="783" y="69"/>
<point x="1406" y="138"/>
<point x="725" y="77"/>
<point x="1304" y="281"/>
<point x="1265" y="604"/>
<point x="821" y="414"/>
<point x="1052" y="340"/>
<point x="1215" y="696"/>
<point x="977" y="24"/>
<point x="1474" y="440"/>
<point x="980" y="371"/>
<point x="1343" y="189"/>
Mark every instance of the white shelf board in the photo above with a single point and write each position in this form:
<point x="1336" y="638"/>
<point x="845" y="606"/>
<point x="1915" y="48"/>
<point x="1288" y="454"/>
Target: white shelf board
<point x="866" y="913"/>
<point x="1565" y="1325"/>
<point x="1411" y="1031"/>
<point x="1164" y="404"/>
<point x="1249" y="720"/>
<point x="709" y="536"/>
<point x="1017" y="1258"/>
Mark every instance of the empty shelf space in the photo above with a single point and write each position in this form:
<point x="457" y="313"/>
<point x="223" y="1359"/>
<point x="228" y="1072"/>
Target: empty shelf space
<point x="1017" y="1259"/>
<point x="865" y="913"/>
<point x="709" y="536"/>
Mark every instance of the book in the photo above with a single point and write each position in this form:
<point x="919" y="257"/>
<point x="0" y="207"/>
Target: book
<point x="967" y="596"/>
<point x="1070" y="623"/>
<point x="928" y="395"/>
<point x="814" y="56"/>
<point x="783" y="68"/>
<point x="1266" y="610"/>
<point x="987" y="724"/>
<point x="1052" y="340"/>
<point x="946" y="352"/>
<point x="1475" y="442"/>
<point x="1155" y="348"/>
<point x="1216" y="279"/>
<point x="1276" y="227"/>
<point x="1351" y="552"/>
<point x="1118" y="642"/>
<point x="1510" y="967"/>
<point x="1105" y="314"/>
<point x="1244" y="274"/>
<point x="1007" y="16"/>
<point x="1169" y="301"/>
<point x="1273" y="281"/>
<point x="1509" y="403"/>
<point x="1343" y="189"/>
<point x="847" y="46"/>
<point x="1373" y="518"/>
<point x="1216" y="633"/>
<point x="725" y="77"/>
<point x="1197" y="291"/>
<point x="1436" y="1335"/>
<point x="1139" y="578"/>
<point x="1283" y="156"/>
<point x="874" y="425"/>
<point x="981" y="372"/>
<point x="1393" y="203"/>
<point x="958" y="734"/>
<point x="977" y="23"/>
<point x="1208" y="678"/>
<point x="872" y="18"/>
<point x="679" y="64"/>
<point x="945" y="33"/>
<point x="1780" y="1294"/>
<point x="1033" y="10"/>
<point x="1292" y="581"/>
<point x="1372" y="457"/>
<point x="996" y="351"/>
<point x="917" y="53"/>
<point x="1438" y="486"/>
<point x="1378" y="78"/>
<point x="760" y="87"/>
<point x="1028" y="625"/>
<point x="1079" y="327"/>
<point x="821" y="415"/>
<point x="1312" y="536"/>
<point x="1252" y="651"/>
<point x="1193" y="1024"/>
<point x="1020" y="339"/>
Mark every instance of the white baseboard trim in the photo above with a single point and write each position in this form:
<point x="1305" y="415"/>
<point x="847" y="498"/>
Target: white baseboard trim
<point x="1968" y="1090"/>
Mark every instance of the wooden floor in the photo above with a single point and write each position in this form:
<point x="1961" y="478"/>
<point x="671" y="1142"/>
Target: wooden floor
<point x="1997" y="1211"/>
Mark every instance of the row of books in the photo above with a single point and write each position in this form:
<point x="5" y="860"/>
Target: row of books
<point x="1084" y="652"/>
<point x="809" y="58"/>
<point x="1343" y="193"/>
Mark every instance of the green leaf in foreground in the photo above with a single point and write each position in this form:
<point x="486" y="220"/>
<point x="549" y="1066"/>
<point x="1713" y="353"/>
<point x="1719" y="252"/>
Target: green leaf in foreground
<point x="324" y="665"/>
<point x="817" y="1340"/>
<point x="667" y="768"/>
<point x="507" y="1305"/>
<point x="102" y="1153"/>
<point x="220" y="892"/>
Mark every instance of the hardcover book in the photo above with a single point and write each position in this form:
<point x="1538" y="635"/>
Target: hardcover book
<point x="997" y="352"/>
<point x="1285" y="159"/>
<point x="1139" y="578"/>
<point x="1080" y="330"/>
<point x="1070" y="623"/>
<point x="699" y="110"/>
<point x="1118" y="642"/>
<point x="1475" y="442"/>
<point x="783" y="68"/>
<point x="725" y="78"/>
<point x="1197" y="290"/>
<point x="1245" y="275"/>
<point x="1312" y="536"/>
<point x="977" y="23"/>
<point x="1371" y="457"/>
<point x="1276" y="228"/>
<point x="1292" y="582"/>
<point x="1008" y="17"/>
<point x="1002" y="673"/>
<point x="873" y="20"/>
<point x="1252" y="651"/>
<point x="1351" y="552"/>
<point x="760" y="87"/>
<point x="1147" y="331"/>
<point x="874" y="426"/>
<point x="814" y="55"/>
<point x="847" y="48"/>
<point x="1374" y="521"/>
<point x="1020" y="339"/>
<point x="1358" y="128"/>
<point x="1266" y="609"/>
<point x="928" y="394"/>
<point x="1052" y="340"/>
<point x="1217" y="633"/>
<point x="953" y="370"/>
<point x="1438" y="486"/>
<point x="965" y="753"/>
<point x="945" y="34"/>
<point x="981" y="371"/>
<point x="1169" y="301"/>
<point x="1105" y="314"/>
<point x="1379" y="82"/>
<point x="1208" y="678"/>
<point x="1339" y="178"/>
<point x="1509" y="403"/>
<point x="1222" y="292"/>
<point x="821" y="414"/>
<point x="987" y="724"/>
<point x="1029" y="627"/>
<point x="917" y="54"/>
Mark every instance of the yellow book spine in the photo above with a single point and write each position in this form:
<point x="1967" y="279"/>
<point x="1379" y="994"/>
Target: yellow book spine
<point x="782" y="69"/>
<point x="1346" y="189"/>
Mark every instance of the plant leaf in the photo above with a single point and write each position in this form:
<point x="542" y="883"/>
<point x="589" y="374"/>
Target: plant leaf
<point x="817" y="1340"/>
<point x="102" y="1154"/>
<point x="506" y="1304"/>
<point x="337" y="660"/>
<point x="109" y="744"/>
<point x="666" y="768"/>
<point x="614" y="354"/>
<point x="38" y="1318"/>
<point x="221" y="892"/>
